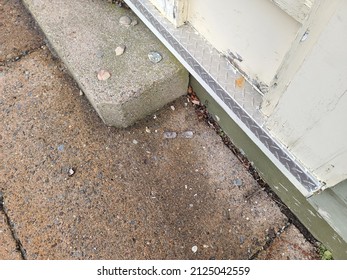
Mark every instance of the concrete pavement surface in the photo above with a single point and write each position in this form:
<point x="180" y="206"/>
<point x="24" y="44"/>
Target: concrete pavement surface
<point x="73" y="188"/>
<point x="85" y="34"/>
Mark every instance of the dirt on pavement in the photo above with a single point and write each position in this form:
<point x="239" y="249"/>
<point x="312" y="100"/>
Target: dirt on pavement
<point x="73" y="188"/>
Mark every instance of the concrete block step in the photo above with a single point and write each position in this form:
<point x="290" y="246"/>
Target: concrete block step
<point x="85" y="35"/>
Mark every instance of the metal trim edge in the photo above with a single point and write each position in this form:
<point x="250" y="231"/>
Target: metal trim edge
<point x="243" y="104"/>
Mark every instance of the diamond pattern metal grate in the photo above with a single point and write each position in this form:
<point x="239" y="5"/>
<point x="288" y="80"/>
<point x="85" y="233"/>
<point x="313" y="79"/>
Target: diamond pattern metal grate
<point x="208" y="65"/>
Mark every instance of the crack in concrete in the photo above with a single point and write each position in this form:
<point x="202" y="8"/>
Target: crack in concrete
<point x="19" y="244"/>
<point x="24" y="53"/>
<point x="270" y="238"/>
<point x="202" y="112"/>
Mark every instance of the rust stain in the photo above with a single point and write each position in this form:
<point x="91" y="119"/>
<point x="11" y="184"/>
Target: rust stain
<point x="240" y="82"/>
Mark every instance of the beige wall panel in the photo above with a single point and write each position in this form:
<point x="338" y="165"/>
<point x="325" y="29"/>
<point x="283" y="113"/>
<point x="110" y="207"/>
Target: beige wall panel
<point x="311" y="116"/>
<point x="259" y="31"/>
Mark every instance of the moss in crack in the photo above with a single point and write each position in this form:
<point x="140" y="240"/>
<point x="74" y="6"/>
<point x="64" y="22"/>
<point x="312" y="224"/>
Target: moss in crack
<point x="324" y="253"/>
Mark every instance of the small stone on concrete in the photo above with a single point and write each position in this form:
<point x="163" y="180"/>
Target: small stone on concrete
<point x="71" y="171"/>
<point x="155" y="57"/>
<point x="237" y="182"/>
<point x="99" y="54"/>
<point x="125" y="20"/>
<point x="103" y="75"/>
<point x="170" y="135"/>
<point x="188" y="134"/>
<point x="120" y="50"/>
<point x="135" y="142"/>
<point x="195" y="249"/>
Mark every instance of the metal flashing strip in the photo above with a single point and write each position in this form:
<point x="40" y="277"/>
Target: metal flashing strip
<point x="213" y="70"/>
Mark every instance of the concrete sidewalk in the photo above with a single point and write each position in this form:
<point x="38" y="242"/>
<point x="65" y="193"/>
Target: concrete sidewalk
<point x="73" y="188"/>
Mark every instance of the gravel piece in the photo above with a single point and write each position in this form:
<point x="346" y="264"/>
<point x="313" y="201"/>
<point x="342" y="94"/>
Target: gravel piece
<point x="71" y="171"/>
<point x="188" y="134"/>
<point x="155" y="57"/>
<point x="237" y="182"/>
<point x="125" y="20"/>
<point x="120" y="50"/>
<point x="103" y="75"/>
<point x="99" y="54"/>
<point x="170" y="135"/>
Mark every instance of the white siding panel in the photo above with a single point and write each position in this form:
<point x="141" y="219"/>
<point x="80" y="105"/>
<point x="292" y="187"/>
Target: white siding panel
<point x="259" y="31"/>
<point x="311" y="116"/>
<point x="174" y="10"/>
<point x="298" y="9"/>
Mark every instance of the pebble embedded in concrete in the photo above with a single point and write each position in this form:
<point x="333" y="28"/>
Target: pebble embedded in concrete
<point x="155" y="57"/>
<point x="71" y="172"/>
<point x="170" y="135"/>
<point x="188" y="134"/>
<point x="120" y="50"/>
<point x="103" y="75"/>
<point x="237" y="182"/>
<point x="99" y="54"/>
<point x="125" y="20"/>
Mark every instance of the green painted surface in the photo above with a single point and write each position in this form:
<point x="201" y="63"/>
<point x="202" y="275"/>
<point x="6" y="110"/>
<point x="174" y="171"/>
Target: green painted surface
<point x="305" y="210"/>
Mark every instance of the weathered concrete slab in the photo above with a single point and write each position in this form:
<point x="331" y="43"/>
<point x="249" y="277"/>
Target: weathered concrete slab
<point x="134" y="193"/>
<point x="290" y="245"/>
<point x="76" y="189"/>
<point x="17" y="31"/>
<point x="85" y="34"/>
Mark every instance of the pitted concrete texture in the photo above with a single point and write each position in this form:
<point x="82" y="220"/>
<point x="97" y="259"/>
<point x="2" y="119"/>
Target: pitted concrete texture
<point x="15" y="25"/>
<point x="85" y="34"/>
<point x="290" y="245"/>
<point x="134" y="194"/>
<point x="77" y="189"/>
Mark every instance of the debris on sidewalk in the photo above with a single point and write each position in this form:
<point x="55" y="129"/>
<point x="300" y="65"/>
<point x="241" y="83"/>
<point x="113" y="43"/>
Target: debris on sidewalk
<point x="77" y="189"/>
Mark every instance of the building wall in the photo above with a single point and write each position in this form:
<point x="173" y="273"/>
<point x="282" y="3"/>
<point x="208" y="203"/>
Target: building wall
<point x="310" y="116"/>
<point x="307" y="116"/>
<point x="259" y="31"/>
